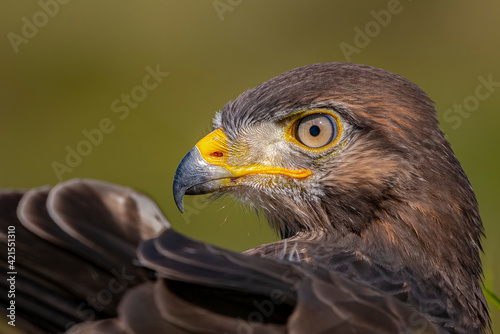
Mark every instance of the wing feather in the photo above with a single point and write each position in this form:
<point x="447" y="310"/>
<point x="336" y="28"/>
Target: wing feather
<point x="77" y="246"/>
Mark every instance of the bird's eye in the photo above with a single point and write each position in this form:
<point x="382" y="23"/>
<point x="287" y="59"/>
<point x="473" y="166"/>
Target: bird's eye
<point x="316" y="130"/>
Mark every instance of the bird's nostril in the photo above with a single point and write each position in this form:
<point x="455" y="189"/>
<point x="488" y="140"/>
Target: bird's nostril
<point x="217" y="154"/>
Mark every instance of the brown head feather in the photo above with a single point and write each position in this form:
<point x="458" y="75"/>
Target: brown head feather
<point x="394" y="192"/>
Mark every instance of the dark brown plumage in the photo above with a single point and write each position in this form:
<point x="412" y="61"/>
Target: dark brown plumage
<point x="380" y="226"/>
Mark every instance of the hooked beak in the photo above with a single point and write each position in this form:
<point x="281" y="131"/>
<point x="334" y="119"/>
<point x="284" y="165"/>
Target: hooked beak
<point x="206" y="169"/>
<point x="195" y="176"/>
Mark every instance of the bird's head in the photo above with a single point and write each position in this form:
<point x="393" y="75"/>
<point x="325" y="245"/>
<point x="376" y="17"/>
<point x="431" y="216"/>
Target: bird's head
<point x="346" y="149"/>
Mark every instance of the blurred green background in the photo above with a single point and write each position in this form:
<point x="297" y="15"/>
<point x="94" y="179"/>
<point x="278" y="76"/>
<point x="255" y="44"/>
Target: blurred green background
<point x="67" y="72"/>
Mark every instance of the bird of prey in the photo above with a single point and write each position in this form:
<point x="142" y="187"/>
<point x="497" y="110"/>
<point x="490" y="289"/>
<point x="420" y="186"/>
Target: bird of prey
<point x="379" y="225"/>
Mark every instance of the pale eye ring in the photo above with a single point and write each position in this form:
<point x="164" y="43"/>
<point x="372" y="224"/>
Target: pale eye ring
<point x="316" y="130"/>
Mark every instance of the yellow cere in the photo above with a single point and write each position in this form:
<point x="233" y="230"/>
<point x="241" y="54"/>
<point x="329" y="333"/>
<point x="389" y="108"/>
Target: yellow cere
<point x="213" y="148"/>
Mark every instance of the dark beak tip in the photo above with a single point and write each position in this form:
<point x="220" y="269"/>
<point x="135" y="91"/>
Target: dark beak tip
<point x="179" y="192"/>
<point x="185" y="174"/>
<point x="180" y="205"/>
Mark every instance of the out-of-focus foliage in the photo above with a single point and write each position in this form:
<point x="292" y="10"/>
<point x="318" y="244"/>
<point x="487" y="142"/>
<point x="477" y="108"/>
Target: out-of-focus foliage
<point x="84" y="55"/>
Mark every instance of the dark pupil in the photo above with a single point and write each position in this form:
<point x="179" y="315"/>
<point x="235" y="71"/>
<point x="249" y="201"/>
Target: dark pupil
<point x="314" y="130"/>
